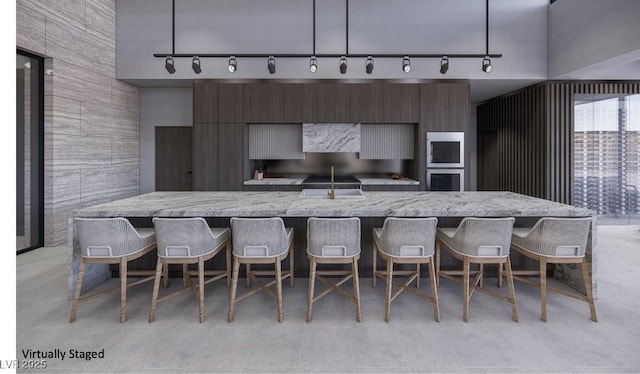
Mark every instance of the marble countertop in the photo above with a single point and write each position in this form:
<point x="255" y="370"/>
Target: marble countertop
<point x="298" y="181"/>
<point x="374" y="204"/>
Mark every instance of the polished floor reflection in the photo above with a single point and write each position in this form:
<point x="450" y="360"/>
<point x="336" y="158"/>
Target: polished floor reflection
<point x="412" y="342"/>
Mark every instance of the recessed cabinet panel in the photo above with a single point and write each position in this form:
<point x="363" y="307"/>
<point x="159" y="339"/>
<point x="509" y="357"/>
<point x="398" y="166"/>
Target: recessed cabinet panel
<point x="387" y="141"/>
<point x="275" y="141"/>
<point x="230" y="103"/>
<point x="279" y="103"/>
<point x="205" y="156"/>
<point x="230" y="156"/>
<point x="205" y="102"/>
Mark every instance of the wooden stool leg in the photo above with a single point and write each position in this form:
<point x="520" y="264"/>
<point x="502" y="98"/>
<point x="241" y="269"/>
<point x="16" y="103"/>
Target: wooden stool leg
<point x="123" y="290"/>
<point x="234" y="288"/>
<point x="437" y="264"/>
<point x="481" y="275"/>
<point x="418" y="277"/>
<point x="434" y="291"/>
<point x="165" y="276"/>
<point x="291" y="264"/>
<point x="387" y="304"/>
<point x="512" y="290"/>
<point x="248" y="269"/>
<point x="228" y="254"/>
<point x="76" y="294"/>
<point x="374" y="264"/>
<point x="185" y="275"/>
<point x="465" y="284"/>
<point x="500" y="275"/>
<point x="156" y="285"/>
<point x="543" y="289"/>
<point x="312" y="281"/>
<point x="201" y="289"/>
<point x="356" y="289"/>
<point x="279" y="289"/>
<point x="588" y="289"/>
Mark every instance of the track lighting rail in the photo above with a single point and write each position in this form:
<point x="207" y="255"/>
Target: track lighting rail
<point x="332" y="55"/>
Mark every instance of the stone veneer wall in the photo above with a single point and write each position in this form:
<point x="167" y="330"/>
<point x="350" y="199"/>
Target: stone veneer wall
<point x="91" y="119"/>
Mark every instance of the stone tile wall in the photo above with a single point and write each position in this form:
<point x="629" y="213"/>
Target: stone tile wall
<point x="91" y="119"/>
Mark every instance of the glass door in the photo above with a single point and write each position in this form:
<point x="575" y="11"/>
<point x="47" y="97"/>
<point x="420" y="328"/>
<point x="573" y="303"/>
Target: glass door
<point x="607" y="156"/>
<point x="29" y="152"/>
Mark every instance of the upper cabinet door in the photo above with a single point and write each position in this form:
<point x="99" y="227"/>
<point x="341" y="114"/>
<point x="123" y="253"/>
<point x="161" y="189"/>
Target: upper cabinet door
<point x="279" y="103"/>
<point x="230" y="102"/>
<point x="205" y="102"/>
<point x="332" y="103"/>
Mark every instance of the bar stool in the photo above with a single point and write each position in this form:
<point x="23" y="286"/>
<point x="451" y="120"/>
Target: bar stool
<point x="555" y="241"/>
<point x="261" y="241"/>
<point x="189" y="241"/>
<point x="111" y="241"/>
<point x="478" y="241"/>
<point x="406" y="241"/>
<point x="333" y="241"/>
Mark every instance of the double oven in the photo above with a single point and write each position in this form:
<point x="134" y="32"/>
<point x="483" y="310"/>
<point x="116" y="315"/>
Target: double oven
<point x="445" y="161"/>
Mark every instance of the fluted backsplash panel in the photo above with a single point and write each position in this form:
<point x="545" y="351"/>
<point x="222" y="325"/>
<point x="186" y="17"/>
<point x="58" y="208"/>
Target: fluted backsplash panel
<point x="387" y="141"/>
<point x="275" y="142"/>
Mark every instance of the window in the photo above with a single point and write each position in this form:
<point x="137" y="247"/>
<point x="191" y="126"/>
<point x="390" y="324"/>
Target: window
<point x="607" y="156"/>
<point x="29" y="152"/>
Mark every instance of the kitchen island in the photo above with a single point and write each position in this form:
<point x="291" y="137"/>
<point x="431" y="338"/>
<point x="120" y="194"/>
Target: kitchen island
<point x="218" y="207"/>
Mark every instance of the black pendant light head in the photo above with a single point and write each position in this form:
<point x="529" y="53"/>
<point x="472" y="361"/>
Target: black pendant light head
<point x="486" y="64"/>
<point x="169" y="65"/>
<point x="233" y="65"/>
<point x="195" y="65"/>
<point x="406" y="64"/>
<point x="343" y="65"/>
<point x="313" y="64"/>
<point x="369" y="65"/>
<point x="271" y="65"/>
<point x="444" y="65"/>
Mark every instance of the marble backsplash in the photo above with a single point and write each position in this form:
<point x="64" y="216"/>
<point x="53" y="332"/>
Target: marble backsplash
<point x="331" y="137"/>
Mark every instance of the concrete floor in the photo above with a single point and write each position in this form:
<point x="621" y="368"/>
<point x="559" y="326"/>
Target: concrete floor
<point x="334" y="342"/>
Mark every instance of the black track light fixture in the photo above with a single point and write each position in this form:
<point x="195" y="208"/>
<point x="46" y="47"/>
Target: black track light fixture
<point x="271" y="64"/>
<point x="486" y="64"/>
<point x="313" y="64"/>
<point x="369" y="65"/>
<point x="444" y="65"/>
<point x="195" y="65"/>
<point x="233" y="65"/>
<point x="168" y="64"/>
<point x="343" y="64"/>
<point x="406" y="64"/>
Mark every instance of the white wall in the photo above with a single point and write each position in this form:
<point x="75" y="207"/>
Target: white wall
<point x="518" y="30"/>
<point x="586" y="37"/>
<point x="160" y="107"/>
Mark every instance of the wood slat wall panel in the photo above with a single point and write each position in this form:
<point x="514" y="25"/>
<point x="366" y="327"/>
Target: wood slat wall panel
<point x="532" y="133"/>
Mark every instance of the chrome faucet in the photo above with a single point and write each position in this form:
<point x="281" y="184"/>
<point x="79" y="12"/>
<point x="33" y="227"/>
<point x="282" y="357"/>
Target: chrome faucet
<point x="332" y="191"/>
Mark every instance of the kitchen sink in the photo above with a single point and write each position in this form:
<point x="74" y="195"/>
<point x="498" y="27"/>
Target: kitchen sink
<point x="339" y="194"/>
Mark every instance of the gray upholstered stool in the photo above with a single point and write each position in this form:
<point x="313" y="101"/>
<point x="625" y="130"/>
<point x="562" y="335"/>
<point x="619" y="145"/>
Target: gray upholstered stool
<point x="478" y="241"/>
<point x="189" y="241"/>
<point x="111" y="241"/>
<point x="261" y="241"/>
<point x="406" y="241"/>
<point x="333" y="241"/>
<point x="555" y="241"/>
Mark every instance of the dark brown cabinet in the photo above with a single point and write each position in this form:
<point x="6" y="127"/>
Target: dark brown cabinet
<point x="218" y="159"/>
<point x="205" y="157"/>
<point x="173" y="159"/>
<point x="279" y="103"/>
<point x="205" y="102"/>
<point x="230" y="156"/>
